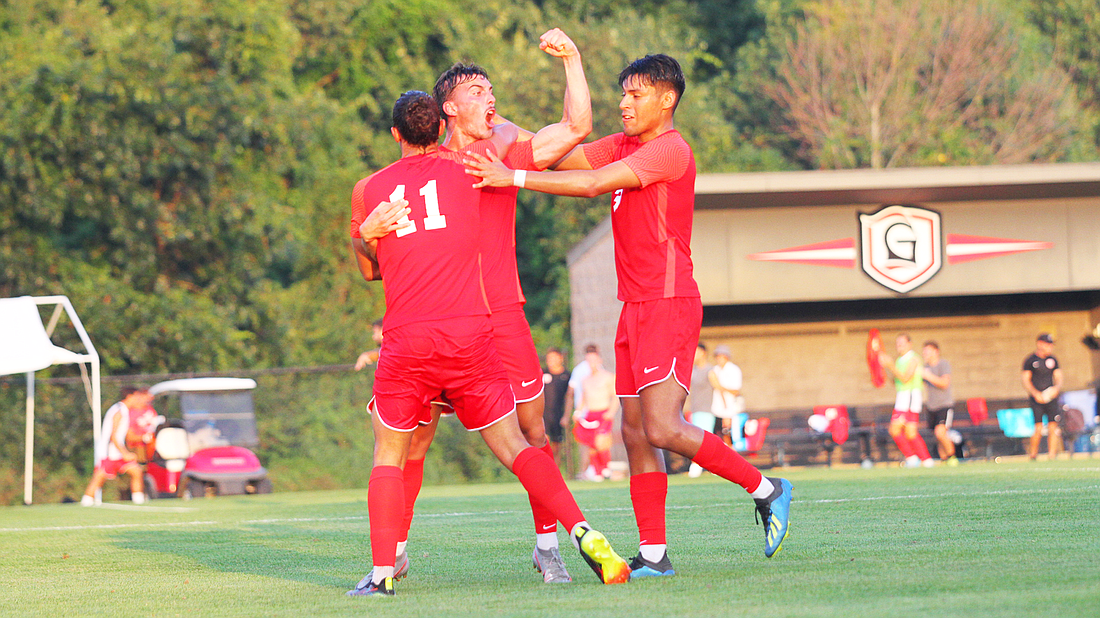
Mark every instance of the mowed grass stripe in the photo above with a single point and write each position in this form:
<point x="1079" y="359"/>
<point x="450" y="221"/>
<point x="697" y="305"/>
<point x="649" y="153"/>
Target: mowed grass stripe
<point x="978" y="540"/>
<point x="357" y="518"/>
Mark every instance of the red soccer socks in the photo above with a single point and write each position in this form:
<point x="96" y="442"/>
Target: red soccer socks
<point x="647" y="494"/>
<point x="386" y="506"/>
<point x="717" y="458"/>
<point x="413" y="480"/>
<point x="545" y="522"/>
<point x="542" y="480"/>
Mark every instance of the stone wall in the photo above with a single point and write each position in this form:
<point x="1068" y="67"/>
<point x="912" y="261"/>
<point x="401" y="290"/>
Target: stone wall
<point x="802" y="365"/>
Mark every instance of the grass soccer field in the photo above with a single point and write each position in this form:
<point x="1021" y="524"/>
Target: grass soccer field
<point x="982" y="539"/>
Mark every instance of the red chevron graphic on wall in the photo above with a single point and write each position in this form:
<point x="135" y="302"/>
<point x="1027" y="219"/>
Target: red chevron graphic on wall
<point x="846" y="252"/>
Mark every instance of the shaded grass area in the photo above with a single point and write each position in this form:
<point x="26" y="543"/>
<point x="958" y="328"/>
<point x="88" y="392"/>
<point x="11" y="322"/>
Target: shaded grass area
<point x="978" y="540"/>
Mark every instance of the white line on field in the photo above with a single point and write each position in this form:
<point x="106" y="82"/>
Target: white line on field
<point x="999" y="492"/>
<point x="155" y="509"/>
<point x="167" y="524"/>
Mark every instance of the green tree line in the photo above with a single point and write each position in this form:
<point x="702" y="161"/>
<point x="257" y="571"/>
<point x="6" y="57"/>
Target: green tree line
<point x="181" y="168"/>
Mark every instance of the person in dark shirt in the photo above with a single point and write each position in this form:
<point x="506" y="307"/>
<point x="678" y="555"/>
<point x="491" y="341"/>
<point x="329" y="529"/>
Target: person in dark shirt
<point x="1042" y="378"/>
<point x="555" y="380"/>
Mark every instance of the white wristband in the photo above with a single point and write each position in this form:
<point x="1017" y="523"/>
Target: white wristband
<point x="519" y="178"/>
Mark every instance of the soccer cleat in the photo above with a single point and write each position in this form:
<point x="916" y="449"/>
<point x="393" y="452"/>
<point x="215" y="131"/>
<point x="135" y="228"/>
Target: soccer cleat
<point x="775" y="510"/>
<point x="597" y="552"/>
<point x="371" y="589"/>
<point x="640" y="567"/>
<point x="549" y="563"/>
<point x="952" y="461"/>
<point x="401" y="571"/>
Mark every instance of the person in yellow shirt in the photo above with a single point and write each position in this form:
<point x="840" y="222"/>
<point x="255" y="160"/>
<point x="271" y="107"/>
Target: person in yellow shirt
<point x="908" y="379"/>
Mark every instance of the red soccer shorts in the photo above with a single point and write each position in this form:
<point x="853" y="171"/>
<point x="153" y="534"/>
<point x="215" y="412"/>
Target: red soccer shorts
<point x="593" y="424"/>
<point x="114" y="467"/>
<point x="512" y="335"/>
<point x="455" y="356"/>
<point x="656" y="339"/>
<point x="445" y="409"/>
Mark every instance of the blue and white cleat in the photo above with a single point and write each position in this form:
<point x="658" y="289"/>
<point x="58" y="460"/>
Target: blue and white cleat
<point x="640" y="567"/>
<point x="370" y="589"/>
<point x="775" y="510"/>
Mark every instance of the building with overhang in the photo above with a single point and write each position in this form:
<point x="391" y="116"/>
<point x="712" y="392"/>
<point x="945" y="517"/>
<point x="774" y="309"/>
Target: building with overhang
<point x="795" y="268"/>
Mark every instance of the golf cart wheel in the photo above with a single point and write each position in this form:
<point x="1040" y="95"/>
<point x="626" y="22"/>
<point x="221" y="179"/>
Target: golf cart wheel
<point x="194" y="488"/>
<point x="151" y="488"/>
<point x="262" y="486"/>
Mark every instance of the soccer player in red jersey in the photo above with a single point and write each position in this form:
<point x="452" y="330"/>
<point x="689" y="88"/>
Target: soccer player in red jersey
<point x="651" y="171"/>
<point x="439" y="339"/>
<point x="465" y="96"/>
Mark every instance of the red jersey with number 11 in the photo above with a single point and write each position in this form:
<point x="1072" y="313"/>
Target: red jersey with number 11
<point x="651" y="223"/>
<point x="430" y="270"/>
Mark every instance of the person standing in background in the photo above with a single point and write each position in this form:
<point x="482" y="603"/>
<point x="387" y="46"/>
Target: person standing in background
<point x="1042" y="379"/>
<point x="725" y="379"/>
<point x="597" y="417"/>
<point x="906" y="371"/>
<point x="370" y="357"/>
<point x="939" y="400"/>
<point x="701" y="399"/>
<point x="555" y="381"/>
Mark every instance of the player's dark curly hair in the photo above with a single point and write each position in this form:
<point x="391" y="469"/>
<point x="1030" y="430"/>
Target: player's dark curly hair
<point x="657" y="70"/>
<point x="416" y="118"/>
<point x="459" y="73"/>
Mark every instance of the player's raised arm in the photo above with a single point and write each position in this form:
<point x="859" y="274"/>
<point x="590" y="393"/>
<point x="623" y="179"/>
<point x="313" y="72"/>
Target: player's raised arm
<point x="575" y="183"/>
<point x="555" y="141"/>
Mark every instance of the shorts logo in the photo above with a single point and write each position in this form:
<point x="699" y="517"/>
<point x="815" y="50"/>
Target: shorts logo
<point x="527" y="383"/>
<point x="900" y="246"/>
<point x="651" y="369"/>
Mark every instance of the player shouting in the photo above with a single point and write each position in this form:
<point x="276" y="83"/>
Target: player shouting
<point x="438" y="338"/>
<point x="465" y="96"/>
<point x="651" y="170"/>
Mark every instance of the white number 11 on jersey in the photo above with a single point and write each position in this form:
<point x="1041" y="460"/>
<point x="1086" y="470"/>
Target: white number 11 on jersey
<point x="433" y="220"/>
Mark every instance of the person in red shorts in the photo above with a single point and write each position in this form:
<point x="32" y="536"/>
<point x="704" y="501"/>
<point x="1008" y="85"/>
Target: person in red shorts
<point x="112" y="455"/>
<point x="438" y="338"/>
<point x="466" y="99"/>
<point x="596" y="417"/>
<point x="465" y="96"/>
<point x="650" y="170"/>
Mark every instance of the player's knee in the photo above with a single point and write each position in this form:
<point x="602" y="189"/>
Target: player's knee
<point x="661" y="433"/>
<point x="633" y="436"/>
<point x="535" y="435"/>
